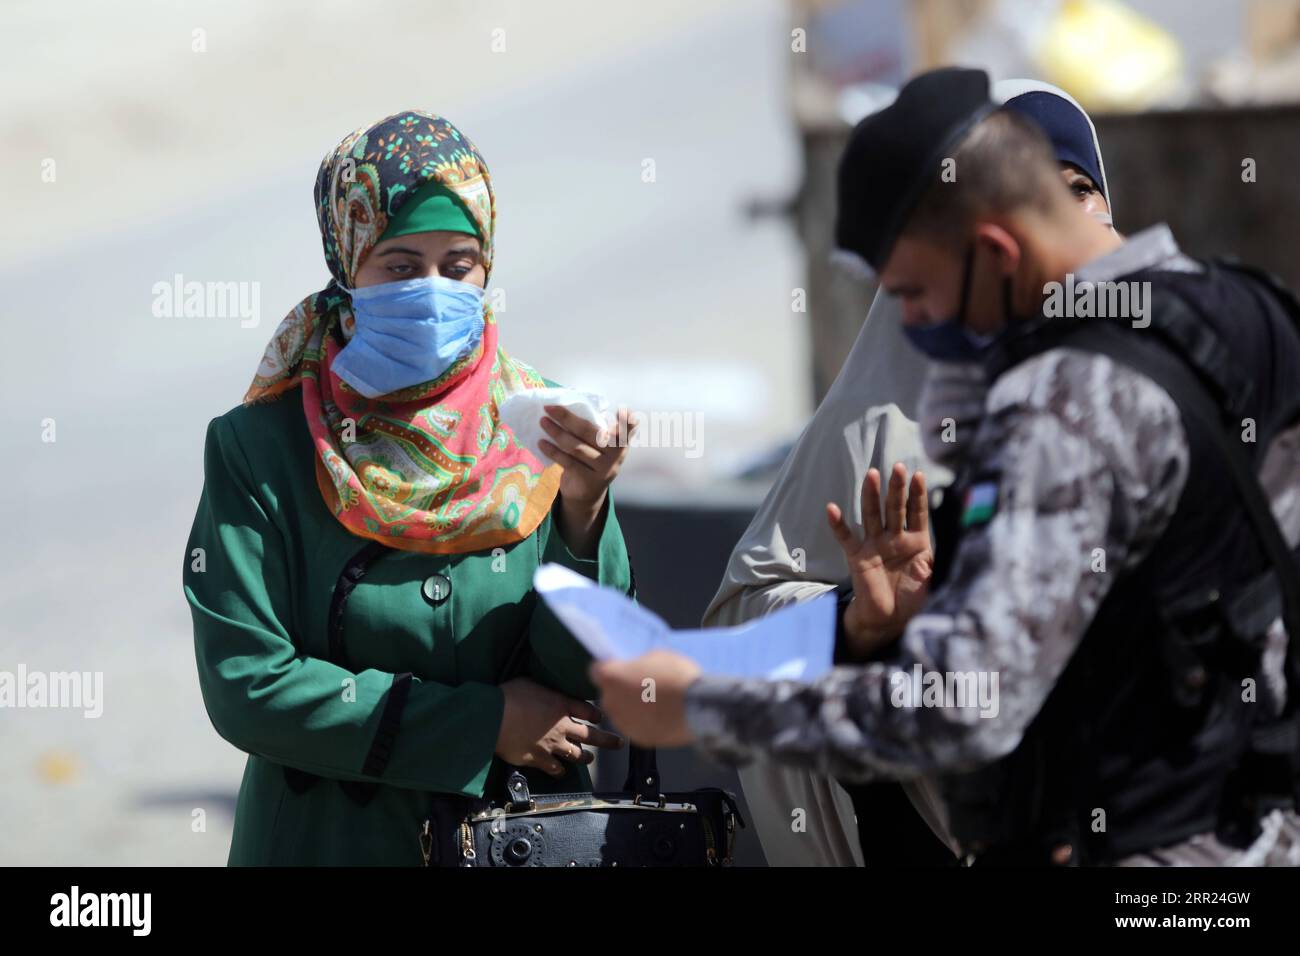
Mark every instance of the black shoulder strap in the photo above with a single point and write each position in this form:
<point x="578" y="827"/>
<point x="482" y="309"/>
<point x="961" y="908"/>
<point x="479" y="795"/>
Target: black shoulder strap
<point x="1194" y="401"/>
<point x="1289" y="303"/>
<point x="348" y="579"/>
<point x="1266" y="278"/>
<point x="360" y="791"/>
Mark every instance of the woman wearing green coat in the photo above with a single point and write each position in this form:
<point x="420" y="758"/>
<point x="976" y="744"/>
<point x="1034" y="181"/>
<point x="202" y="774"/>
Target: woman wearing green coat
<point x="360" y="565"/>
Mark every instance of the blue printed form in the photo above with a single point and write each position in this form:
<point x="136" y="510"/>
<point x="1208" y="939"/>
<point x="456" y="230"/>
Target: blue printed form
<point x="794" y="643"/>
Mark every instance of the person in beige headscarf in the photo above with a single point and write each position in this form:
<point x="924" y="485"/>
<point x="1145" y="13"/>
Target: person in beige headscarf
<point x="875" y="414"/>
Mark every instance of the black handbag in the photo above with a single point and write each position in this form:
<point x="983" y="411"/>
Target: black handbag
<point x="639" y="826"/>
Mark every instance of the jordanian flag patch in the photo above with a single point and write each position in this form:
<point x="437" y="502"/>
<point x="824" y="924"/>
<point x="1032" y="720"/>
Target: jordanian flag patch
<point x="981" y="502"/>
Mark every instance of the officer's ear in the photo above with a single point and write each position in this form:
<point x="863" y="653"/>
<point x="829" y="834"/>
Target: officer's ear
<point x="1000" y="246"/>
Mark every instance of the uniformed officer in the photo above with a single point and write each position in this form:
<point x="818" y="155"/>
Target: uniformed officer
<point x="1095" y="661"/>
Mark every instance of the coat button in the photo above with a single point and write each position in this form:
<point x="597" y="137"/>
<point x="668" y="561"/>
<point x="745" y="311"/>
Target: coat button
<point x="436" y="589"/>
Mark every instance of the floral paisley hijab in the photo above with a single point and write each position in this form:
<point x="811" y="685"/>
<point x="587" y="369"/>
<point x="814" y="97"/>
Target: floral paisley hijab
<point x="429" y="468"/>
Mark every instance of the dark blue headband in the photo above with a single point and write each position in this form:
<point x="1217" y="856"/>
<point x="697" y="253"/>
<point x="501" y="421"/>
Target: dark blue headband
<point x="1068" y="129"/>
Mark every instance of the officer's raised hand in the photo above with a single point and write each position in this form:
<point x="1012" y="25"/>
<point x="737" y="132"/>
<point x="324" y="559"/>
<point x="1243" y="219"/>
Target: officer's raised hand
<point x="891" y="566"/>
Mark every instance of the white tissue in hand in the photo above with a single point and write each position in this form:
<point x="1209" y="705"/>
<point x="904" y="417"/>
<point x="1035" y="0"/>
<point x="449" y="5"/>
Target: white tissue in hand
<point x="522" y="412"/>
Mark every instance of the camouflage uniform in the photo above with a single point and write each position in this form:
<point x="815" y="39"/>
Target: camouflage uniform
<point x="1085" y="454"/>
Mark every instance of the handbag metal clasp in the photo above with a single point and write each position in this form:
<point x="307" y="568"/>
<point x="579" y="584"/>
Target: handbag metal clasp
<point x="517" y="787"/>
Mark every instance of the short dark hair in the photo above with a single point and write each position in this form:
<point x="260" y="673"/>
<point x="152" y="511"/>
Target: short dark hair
<point x="1005" y="163"/>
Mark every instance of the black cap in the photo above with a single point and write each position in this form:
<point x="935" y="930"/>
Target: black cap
<point x="894" y="154"/>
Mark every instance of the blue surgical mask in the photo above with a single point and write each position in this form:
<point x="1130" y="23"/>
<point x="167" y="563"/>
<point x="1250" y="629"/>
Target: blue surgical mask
<point x="408" y="332"/>
<point x="950" y="340"/>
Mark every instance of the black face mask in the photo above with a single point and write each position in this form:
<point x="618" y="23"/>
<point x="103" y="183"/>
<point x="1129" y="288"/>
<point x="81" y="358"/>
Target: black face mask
<point x="950" y="340"/>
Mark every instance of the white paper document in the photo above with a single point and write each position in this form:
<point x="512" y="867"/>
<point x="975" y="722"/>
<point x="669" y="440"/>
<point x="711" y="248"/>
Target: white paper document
<point x="794" y="643"/>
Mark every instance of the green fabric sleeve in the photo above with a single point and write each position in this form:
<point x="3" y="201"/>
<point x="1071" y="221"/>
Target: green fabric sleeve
<point x="267" y="698"/>
<point x="557" y="659"/>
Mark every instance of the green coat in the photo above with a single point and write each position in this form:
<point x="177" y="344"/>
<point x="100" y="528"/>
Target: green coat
<point x="272" y="554"/>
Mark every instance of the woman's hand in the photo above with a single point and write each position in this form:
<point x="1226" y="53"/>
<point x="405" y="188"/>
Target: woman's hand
<point x="591" y="457"/>
<point x="891" y="566"/>
<point x="539" y="729"/>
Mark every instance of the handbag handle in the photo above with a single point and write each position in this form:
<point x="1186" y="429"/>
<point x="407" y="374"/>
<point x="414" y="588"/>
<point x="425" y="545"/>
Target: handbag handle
<point x="642" y="774"/>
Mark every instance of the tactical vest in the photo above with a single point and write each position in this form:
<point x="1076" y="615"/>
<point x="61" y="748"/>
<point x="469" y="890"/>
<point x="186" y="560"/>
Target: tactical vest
<point x="1149" y="735"/>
